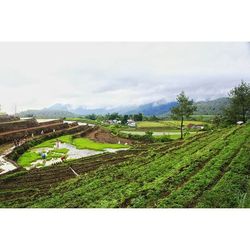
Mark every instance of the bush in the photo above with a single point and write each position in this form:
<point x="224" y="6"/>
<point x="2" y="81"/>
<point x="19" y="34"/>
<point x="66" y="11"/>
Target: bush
<point x="163" y="138"/>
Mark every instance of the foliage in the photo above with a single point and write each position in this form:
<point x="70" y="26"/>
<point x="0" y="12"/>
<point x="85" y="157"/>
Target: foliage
<point x="239" y="106"/>
<point x="212" y="107"/>
<point x="138" y="117"/>
<point x="27" y="158"/>
<point x="209" y="170"/>
<point x="84" y="143"/>
<point x="184" y="109"/>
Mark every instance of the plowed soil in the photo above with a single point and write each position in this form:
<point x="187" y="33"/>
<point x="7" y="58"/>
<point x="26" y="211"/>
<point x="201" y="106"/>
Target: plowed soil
<point x="101" y="135"/>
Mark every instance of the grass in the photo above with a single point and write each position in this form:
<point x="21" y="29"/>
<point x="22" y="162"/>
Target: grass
<point x="147" y="124"/>
<point x="27" y="158"/>
<point x="30" y="156"/>
<point x="166" y="123"/>
<point x="80" y="143"/>
<point x="46" y="144"/>
<point x="84" y="143"/>
<point x="171" y="134"/>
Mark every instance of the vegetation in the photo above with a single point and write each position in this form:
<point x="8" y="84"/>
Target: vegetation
<point x="212" y="107"/>
<point x="30" y="156"/>
<point x="209" y="170"/>
<point x="239" y="105"/>
<point x="27" y="158"/>
<point x="184" y="109"/>
<point x="46" y="113"/>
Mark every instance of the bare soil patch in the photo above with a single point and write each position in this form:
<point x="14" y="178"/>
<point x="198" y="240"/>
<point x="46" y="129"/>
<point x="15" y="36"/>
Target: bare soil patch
<point x="101" y="135"/>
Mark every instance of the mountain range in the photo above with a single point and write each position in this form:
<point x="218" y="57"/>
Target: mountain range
<point x="159" y="108"/>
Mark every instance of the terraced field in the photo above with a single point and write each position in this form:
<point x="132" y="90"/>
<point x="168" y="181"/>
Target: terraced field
<point x="208" y="170"/>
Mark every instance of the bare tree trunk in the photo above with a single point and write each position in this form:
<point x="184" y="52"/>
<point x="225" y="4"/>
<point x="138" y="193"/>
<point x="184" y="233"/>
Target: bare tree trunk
<point x="182" y="127"/>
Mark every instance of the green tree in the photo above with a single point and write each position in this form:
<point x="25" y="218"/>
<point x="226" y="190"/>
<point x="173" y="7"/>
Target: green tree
<point x="184" y="109"/>
<point x="124" y="119"/>
<point x="138" y="117"/>
<point x="239" y="107"/>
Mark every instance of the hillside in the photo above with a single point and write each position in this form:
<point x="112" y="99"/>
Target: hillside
<point x="159" y="108"/>
<point x="213" y="107"/>
<point x="151" y="109"/>
<point x="208" y="170"/>
<point x="46" y="113"/>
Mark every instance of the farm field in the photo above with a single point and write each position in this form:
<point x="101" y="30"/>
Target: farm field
<point x="210" y="169"/>
<point x="162" y="128"/>
<point x="166" y="124"/>
<point x="49" y="146"/>
<point x="172" y="134"/>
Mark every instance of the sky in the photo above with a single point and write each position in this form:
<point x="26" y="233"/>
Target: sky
<point x="112" y="74"/>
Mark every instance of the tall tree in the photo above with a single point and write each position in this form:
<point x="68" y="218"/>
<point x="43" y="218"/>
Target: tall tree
<point x="184" y="109"/>
<point x="124" y="119"/>
<point x="239" y="106"/>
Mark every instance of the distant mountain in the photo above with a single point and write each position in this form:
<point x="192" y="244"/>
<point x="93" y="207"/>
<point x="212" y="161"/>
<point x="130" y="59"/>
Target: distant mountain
<point x="159" y="108"/>
<point x="80" y="110"/>
<point x="153" y="108"/>
<point x="213" y="107"/>
<point x="46" y="113"/>
<point x="60" y="107"/>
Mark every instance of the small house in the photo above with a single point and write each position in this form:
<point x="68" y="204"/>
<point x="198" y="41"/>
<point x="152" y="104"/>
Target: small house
<point x="195" y="126"/>
<point x="131" y="123"/>
<point x="239" y="122"/>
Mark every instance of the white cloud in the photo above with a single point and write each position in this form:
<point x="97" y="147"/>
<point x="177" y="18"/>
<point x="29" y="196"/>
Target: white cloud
<point x="35" y="75"/>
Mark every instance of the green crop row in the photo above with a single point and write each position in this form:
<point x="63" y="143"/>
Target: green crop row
<point x="174" y="174"/>
<point x="186" y="195"/>
<point x="137" y="183"/>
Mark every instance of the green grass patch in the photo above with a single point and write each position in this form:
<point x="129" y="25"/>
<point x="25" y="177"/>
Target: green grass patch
<point x="84" y="143"/>
<point x="166" y="123"/>
<point x="30" y="156"/>
<point x="27" y="158"/>
<point x="46" y="144"/>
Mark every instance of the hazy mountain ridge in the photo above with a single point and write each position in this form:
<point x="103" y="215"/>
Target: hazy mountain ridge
<point x="211" y="107"/>
<point x="46" y="113"/>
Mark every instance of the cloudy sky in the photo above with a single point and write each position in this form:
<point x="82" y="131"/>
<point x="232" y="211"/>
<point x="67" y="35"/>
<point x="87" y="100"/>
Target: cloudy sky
<point x="94" y="75"/>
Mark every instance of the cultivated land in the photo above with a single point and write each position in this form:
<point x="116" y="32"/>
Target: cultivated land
<point x="32" y="155"/>
<point x="165" y="124"/>
<point x="210" y="169"/>
<point x="163" y="128"/>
